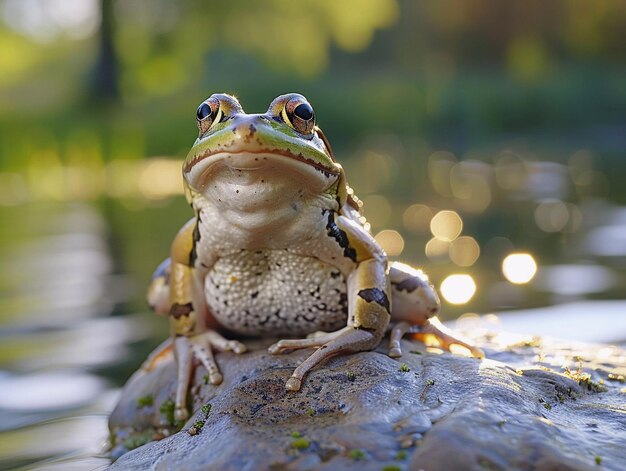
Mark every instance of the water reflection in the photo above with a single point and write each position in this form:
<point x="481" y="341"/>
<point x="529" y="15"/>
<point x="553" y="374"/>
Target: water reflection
<point x="58" y="291"/>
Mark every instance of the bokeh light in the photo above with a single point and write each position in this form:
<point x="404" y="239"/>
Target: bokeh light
<point x="446" y="225"/>
<point x="519" y="268"/>
<point x="469" y="181"/>
<point x="551" y="215"/>
<point x="416" y="218"/>
<point x="437" y="250"/>
<point x="391" y="241"/>
<point x="458" y="288"/>
<point x="464" y="251"/>
<point x="511" y="172"/>
<point x="439" y="166"/>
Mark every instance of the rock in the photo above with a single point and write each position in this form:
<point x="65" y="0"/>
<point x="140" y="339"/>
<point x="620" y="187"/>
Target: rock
<point x="517" y="409"/>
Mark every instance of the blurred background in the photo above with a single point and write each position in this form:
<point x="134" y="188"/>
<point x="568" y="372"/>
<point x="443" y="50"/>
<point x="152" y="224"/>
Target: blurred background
<point x="487" y="140"/>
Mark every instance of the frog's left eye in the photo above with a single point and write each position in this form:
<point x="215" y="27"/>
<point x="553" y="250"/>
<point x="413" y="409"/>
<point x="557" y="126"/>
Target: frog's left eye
<point x="208" y="113"/>
<point x="298" y="114"/>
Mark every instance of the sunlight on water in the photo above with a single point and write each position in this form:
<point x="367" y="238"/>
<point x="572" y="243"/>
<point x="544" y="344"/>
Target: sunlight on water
<point x="586" y="321"/>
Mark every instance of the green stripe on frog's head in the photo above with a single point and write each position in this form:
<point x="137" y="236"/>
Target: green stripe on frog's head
<point x="286" y="135"/>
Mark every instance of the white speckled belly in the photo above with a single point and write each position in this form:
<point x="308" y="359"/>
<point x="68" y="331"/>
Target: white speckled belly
<point x="272" y="292"/>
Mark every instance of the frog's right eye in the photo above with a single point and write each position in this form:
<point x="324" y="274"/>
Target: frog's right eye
<point x="208" y="113"/>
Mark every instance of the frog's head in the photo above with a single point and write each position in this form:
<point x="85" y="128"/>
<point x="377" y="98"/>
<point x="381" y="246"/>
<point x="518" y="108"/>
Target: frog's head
<point x="259" y="154"/>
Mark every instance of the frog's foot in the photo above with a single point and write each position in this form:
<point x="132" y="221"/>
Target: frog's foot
<point x="201" y="347"/>
<point x="345" y="340"/>
<point x="431" y="327"/>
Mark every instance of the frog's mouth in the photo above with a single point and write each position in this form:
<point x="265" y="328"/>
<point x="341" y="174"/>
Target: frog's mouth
<point x="199" y="170"/>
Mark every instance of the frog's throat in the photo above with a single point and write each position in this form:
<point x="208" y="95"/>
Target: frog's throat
<point x="198" y="169"/>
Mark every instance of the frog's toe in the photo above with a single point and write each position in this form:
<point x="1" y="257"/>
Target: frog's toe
<point x="275" y="348"/>
<point x="280" y="347"/>
<point x="293" y="384"/>
<point x="397" y="332"/>
<point x="202" y="350"/>
<point x="446" y="339"/>
<point x="216" y="378"/>
<point x="236" y="347"/>
<point x="394" y="350"/>
<point x="222" y="344"/>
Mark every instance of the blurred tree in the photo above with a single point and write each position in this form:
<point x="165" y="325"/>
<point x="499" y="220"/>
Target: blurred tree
<point x="162" y="43"/>
<point x="105" y="80"/>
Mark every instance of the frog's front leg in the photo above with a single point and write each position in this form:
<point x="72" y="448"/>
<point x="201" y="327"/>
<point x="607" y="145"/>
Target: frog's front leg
<point x="188" y="315"/>
<point x="415" y="303"/>
<point x="345" y="244"/>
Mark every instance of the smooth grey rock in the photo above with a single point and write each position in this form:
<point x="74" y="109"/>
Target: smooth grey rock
<point x="515" y="410"/>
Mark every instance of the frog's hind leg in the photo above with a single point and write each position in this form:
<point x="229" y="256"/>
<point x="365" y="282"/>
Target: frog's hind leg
<point x="414" y="305"/>
<point x="345" y="340"/>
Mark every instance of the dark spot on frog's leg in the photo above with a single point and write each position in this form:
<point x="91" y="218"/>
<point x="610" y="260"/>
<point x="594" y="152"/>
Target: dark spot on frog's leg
<point x="179" y="310"/>
<point x="409" y="285"/>
<point x="340" y="236"/>
<point x="254" y="295"/>
<point x="375" y="295"/>
<point x="193" y="255"/>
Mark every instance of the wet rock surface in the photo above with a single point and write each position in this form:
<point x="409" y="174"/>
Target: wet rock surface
<point x="531" y="405"/>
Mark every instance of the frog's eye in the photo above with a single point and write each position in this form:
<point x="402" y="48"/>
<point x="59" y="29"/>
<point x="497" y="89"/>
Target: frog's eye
<point x="208" y="113"/>
<point x="298" y="114"/>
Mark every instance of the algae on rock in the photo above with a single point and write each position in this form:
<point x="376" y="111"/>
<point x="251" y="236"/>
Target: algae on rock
<point x="517" y="409"/>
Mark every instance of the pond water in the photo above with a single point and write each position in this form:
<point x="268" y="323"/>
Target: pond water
<point x="64" y="346"/>
<point x="74" y="326"/>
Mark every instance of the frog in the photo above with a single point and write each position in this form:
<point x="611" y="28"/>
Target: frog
<point x="278" y="247"/>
